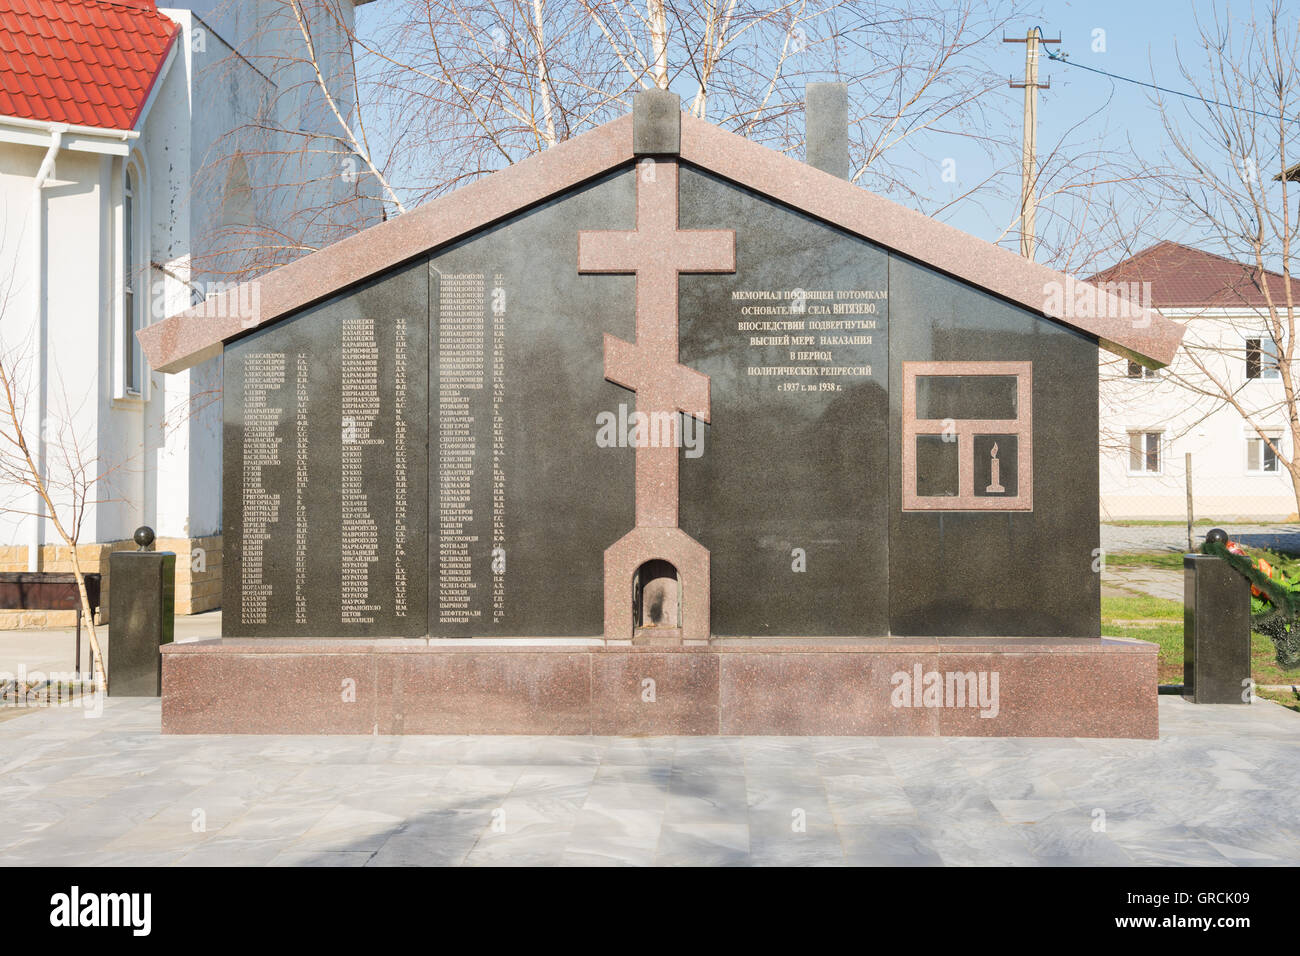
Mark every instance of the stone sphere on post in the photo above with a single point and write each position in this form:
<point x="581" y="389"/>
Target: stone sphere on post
<point x="144" y="537"/>
<point x="1216" y="536"/>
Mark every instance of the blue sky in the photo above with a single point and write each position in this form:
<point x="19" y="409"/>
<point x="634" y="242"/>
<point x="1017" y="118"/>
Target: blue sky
<point x="1142" y="40"/>
<point x="1138" y="39"/>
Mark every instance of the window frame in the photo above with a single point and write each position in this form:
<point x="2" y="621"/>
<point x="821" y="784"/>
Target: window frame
<point x="1160" y="452"/>
<point x="963" y="431"/>
<point x="133" y="280"/>
<point x="1264" y="372"/>
<point x="1264" y="452"/>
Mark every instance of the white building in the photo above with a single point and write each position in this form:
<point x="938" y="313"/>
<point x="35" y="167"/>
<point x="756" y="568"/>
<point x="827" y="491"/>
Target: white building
<point x="148" y="157"/>
<point x="1151" y="420"/>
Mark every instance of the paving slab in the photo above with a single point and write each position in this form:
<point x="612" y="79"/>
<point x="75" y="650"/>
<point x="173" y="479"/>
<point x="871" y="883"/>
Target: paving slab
<point x="1220" y="787"/>
<point x="1167" y="537"/>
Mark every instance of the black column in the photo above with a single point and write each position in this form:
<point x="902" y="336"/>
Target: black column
<point x="1216" y="631"/>
<point x="141" y="616"/>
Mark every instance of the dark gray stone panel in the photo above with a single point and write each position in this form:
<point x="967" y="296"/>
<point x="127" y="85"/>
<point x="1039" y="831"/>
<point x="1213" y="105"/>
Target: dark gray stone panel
<point x="537" y="483"/>
<point x="485" y="364"/>
<point x="965" y="396"/>
<point x="789" y="461"/>
<point x="826" y="128"/>
<point x="964" y="573"/>
<point x="936" y="467"/>
<point x="325" y="447"/>
<point x="656" y="123"/>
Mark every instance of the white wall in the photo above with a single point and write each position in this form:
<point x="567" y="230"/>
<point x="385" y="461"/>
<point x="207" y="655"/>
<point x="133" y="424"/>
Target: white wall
<point x="76" y="249"/>
<point x="18" y="166"/>
<point x="1210" y="429"/>
<point x="160" y="451"/>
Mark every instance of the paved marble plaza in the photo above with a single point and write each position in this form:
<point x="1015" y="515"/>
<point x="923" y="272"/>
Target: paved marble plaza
<point x="1220" y="787"/>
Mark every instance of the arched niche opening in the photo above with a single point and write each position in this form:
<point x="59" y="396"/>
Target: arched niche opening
<point x="657" y="598"/>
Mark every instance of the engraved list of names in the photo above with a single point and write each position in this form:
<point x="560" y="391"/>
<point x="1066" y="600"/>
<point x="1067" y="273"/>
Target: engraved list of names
<point x="325" y="425"/>
<point x="470" y="458"/>
<point x="263" y="379"/>
<point x="359" y="542"/>
<point x="460" y="375"/>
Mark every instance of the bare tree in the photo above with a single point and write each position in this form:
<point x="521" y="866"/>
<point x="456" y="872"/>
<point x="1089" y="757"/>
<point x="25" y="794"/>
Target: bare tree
<point x="1093" y="192"/>
<point x="296" y="172"/>
<point x="67" y="484"/>
<point x="455" y="89"/>
<point x="1232" y="160"/>
<point x="459" y="88"/>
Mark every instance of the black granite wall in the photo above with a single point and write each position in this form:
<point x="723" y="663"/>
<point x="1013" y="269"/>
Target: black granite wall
<point x="998" y="573"/>
<point x="504" y="381"/>
<point x="790" y="461"/>
<point x="433" y="440"/>
<point x="324" y="496"/>
<point x="562" y="498"/>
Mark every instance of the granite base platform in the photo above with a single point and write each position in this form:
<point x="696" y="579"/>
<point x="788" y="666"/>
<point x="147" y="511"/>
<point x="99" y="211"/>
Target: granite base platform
<point x="1025" y="687"/>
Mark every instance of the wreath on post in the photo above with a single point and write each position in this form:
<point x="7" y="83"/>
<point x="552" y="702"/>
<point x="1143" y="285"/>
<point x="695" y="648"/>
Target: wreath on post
<point x="1275" y="598"/>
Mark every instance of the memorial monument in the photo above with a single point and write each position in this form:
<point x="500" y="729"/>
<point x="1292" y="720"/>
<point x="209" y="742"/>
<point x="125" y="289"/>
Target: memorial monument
<point x="662" y="405"/>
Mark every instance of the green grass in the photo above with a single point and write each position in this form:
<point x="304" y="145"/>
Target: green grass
<point x="1286" y="698"/>
<point x="1168" y="560"/>
<point x="1173" y="560"/>
<point x="1141" y="607"/>
<point x="1263" y="663"/>
<point x="1168" y="637"/>
<point x="1160" y="621"/>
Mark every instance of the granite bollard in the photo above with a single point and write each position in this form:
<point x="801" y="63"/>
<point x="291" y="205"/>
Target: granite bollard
<point x="1216" y="631"/>
<point x="142" y="598"/>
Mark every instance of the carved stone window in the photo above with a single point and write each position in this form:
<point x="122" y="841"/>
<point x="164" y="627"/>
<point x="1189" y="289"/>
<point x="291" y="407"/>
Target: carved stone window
<point x="968" y="436"/>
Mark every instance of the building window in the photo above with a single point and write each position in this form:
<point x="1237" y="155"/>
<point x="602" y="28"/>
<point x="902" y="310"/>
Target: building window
<point x="1144" y="453"/>
<point x="1262" y="358"/>
<point x="132" y="360"/>
<point x="1138" y="370"/>
<point x="1261" y="457"/>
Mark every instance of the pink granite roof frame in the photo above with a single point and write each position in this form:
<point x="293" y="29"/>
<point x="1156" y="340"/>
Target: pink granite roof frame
<point x="198" y="334"/>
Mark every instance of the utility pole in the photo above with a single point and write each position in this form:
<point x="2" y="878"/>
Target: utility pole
<point x="1029" y="155"/>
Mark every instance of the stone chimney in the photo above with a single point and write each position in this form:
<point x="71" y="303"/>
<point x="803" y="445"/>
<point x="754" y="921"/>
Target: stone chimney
<point x="826" y="127"/>
<point x="656" y="123"/>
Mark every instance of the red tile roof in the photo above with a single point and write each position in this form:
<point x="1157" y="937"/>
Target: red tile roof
<point x="1184" y="277"/>
<point x="83" y="62"/>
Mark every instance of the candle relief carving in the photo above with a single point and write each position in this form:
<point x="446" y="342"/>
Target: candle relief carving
<point x="967" y="436"/>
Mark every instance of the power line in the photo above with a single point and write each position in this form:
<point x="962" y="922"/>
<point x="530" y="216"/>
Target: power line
<point x="1065" y="58"/>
